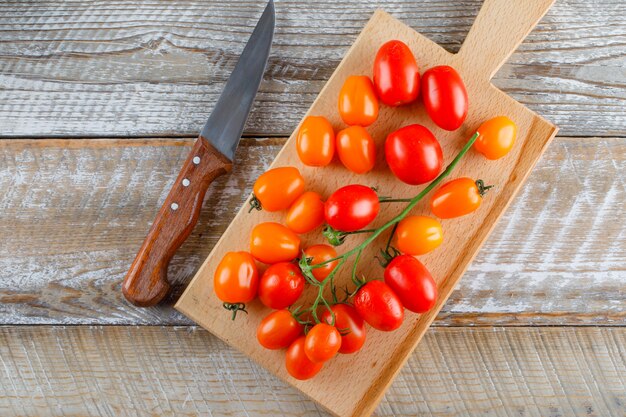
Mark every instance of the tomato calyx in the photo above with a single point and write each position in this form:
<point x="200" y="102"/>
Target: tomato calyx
<point x="387" y="255"/>
<point x="304" y="263"/>
<point x="255" y="204"/>
<point x="333" y="236"/>
<point x="482" y="188"/>
<point x="344" y="331"/>
<point x="235" y="308"/>
<point x="358" y="283"/>
<point x="337" y="237"/>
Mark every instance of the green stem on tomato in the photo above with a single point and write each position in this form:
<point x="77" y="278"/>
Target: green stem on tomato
<point x="255" y="204"/>
<point x="354" y="266"/>
<point x="482" y="188"/>
<point x="321" y="286"/>
<point x="394" y="200"/>
<point x="393" y="232"/>
<point x="393" y="222"/>
<point x="359" y="231"/>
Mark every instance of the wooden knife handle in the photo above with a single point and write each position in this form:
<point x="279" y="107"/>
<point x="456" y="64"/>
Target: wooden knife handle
<point x="146" y="282"/>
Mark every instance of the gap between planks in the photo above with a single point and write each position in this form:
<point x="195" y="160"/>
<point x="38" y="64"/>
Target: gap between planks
<point x="111" y="142"/>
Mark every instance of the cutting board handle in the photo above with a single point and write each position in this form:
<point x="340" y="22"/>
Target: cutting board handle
<point x="498" y="30"/>
<point x="146" y="282"/>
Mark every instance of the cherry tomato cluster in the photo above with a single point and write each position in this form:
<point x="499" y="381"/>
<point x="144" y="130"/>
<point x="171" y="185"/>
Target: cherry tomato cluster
<point x="314" y="334"/>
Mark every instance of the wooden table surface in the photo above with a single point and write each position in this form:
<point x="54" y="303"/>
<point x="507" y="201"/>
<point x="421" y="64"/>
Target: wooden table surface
<point x="99" y="104"/>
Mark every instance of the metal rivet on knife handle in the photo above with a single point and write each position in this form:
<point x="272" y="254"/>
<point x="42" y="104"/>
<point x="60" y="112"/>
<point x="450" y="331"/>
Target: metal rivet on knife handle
<point x="196" y="160"/>
<point x="185" y="182"/>
<point x="174" y="206"/>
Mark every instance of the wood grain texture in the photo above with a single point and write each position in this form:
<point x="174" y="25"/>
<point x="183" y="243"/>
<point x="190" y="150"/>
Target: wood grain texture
<point x="157" y="67"/>
<point x="75" y="212"/>
<point x="126" y="371"/>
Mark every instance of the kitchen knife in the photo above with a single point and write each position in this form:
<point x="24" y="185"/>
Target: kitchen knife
<point x="211" y="156"/>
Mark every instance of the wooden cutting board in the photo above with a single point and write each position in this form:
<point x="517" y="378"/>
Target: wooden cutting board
<point x="352" y="385"/>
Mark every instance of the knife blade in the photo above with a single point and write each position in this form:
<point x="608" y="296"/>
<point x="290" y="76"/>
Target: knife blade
<point x="212" y="155"/>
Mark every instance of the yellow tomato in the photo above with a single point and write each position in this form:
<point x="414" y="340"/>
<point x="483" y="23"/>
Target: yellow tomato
<point x="278" y="188"/>
<point x="271" y="243"/>
<point x="418" y="235"/>
<point x="496" y="137"/>
<point x="316" y="141"/>
<point x="358" y="104"/>
<point x="306" y="213"/>
<point x="356" y="149"/>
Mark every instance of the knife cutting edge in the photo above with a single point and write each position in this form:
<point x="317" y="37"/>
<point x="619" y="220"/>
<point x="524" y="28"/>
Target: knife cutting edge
<point x="211" y="156"/>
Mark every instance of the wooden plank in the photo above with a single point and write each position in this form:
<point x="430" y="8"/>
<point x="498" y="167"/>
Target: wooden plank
<point x="115" y="371"/>
<point x="102" y="68"/>
<point x="75" y="212"/>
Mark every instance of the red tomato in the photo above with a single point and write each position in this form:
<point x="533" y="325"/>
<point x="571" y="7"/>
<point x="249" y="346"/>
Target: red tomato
<point x="278" y="330"/>
<point x="356" y="149"/>
<point x="271" y="243"/>
<point x="298" y="364"/>
<point x="351" y="208"/>
<point x="418" y="235"/>
<point x="445" y="97"/>
<point x="379" y="306"/>
<point x="281" y="285"/>
<point x="457" y="198"/>
<point x="316" y="141"/>
<point x="414" y="154"/>
<point x="496" y="137"/>
<point x="277" y="188"/>
<point x="358" y="104"/>
<point x="412" y="283"/>
<point x="306" y="213"/>
<point x="350" y="325"/>
<point x="321" y="253"/>
<point x="396" y="76"/>
<point x="236" y="278"/>
<point x="322" y="343"/>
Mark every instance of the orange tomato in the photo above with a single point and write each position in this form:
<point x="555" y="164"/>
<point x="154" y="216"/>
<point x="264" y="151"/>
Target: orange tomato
<point x="306" y="213"/>
<point x="298" y="364"/>
<point x="277" y="188"/>
<point x="316" y="141"/>
<point x="322" y="342"/>
<point x="496" y="137"/>
<point x="358" y="104"/>
<point x="236" y="278"/>
<point x="417" y="235"/>
<point x="457" y="198"/>
<point x="319" y="254"/>
<point x="278" y="330"/>
<point x="356" y="149"/>
<point x="271" y="243"/>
